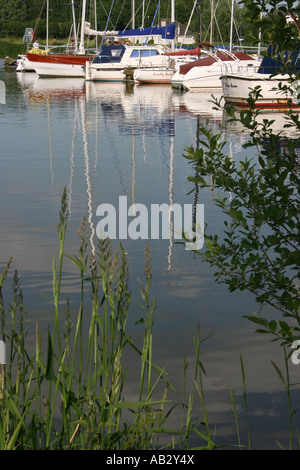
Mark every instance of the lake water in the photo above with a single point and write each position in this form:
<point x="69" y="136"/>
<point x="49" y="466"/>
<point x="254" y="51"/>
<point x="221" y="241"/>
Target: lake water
<point x="103" y="141"/>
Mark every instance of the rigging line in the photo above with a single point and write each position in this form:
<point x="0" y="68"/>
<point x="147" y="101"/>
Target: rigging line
<point x="146" y="11"/>
<point x="217" y="24"/>
<point x="132" y="17"/>
<point x="146" y="40"/>
<point x="108" y="19"/>
<point x="216" y="21"/>
<point x="121" y="9"/>
<point x="39" y="17"/>
<point x="189" y="22"/>
<point x="105" y="11"/>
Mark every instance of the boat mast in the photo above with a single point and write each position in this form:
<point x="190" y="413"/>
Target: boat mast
<point x="74" y="27"/>
<point x="199" y="22"/>
<point x="133" y="13"/>
<point x="143" y="14"/>
<point x="81" y="45"/>
<point x="173" y="21"/>
<point x="47" y="26"/>
<point x="231" y="25"/>
<point x="211" y="21"/>
<point x="96" y="25"/>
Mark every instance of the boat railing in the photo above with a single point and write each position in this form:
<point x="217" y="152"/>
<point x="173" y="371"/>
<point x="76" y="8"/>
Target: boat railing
<point x="238" y="68"/>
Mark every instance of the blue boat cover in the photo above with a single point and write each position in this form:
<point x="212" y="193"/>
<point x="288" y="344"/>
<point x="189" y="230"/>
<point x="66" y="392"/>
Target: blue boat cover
<point x="110" y="53"/>
<point x="166" y="32"/>
<point x="277" y="61"/>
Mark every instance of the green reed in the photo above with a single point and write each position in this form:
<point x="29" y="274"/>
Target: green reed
<point x="69" y="392"/>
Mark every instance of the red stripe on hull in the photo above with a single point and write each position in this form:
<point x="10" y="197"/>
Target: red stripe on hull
<point x="58" y="58"/>
<point x="277" y="106"/>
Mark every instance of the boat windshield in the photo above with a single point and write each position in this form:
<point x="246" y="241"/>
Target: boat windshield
<point x="143" y="53"/>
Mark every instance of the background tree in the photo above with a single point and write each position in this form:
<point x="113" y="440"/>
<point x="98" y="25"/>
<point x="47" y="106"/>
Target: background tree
<point x="13" y="10"/>
<point x="15" y="15"/>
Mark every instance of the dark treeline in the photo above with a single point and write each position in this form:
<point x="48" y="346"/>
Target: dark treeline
<point x="16" y="15"/>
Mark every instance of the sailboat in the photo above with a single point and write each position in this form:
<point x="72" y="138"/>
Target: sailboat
<point x="118" y="55"/>
<point x="163" y="74"/>
<point x="69" y="64"/>
<point x="204" y="74"/>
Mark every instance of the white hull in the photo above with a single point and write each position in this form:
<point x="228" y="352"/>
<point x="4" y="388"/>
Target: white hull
<point x="134" y="57"/>
<point x="59" y="70"/>
<point x="25" y="65"/>
<point x="236" y="90"/>
<point x="153" y="75"/>
<point x="108" y="74"/>
<point x="207" y="78"/>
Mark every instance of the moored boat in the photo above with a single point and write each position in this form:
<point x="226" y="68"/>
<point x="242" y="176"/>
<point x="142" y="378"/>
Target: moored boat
<point x="163" y="74"/>
<point x="275" y="79"/>
<point x="59" y="65"/>
<point x="204" y="74"/>
<point x="113" y="59"/>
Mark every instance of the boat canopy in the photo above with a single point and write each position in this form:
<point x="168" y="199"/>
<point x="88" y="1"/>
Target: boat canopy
<point x="166" y="32"/>
<point x="277" y="61"/>
<point x="209" y="60"/>
<point x="183" y="52"/>
<point x="109" y="54"/>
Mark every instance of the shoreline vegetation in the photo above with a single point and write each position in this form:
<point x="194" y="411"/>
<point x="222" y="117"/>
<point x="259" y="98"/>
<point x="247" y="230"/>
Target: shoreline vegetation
<point x="65" y="395"/>
<point x="12" y="47"/>
<point x="70" y="393"/>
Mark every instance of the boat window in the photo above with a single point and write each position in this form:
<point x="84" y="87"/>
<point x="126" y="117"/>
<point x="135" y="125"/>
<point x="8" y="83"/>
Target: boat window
<point x="116" y="52"/>
<point x="149" y="53"/>
<point x="143" y="53"/>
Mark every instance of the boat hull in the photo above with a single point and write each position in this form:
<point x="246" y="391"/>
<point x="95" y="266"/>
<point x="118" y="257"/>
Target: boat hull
<point x="24" y="64"/>
<point x="93" y="72"/>
<point x="46" y="70"/>
<point x="207" y="78"/>
<point x="236" y="91"/>
<point x="107" y="68"/>
<point x="155" y="75"/>
<point x="58" y="65"/>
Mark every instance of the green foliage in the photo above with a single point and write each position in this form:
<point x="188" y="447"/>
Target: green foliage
<point x="81" y="375"/>
<point x="16" y="15"/>
<point x="260" y="248"/>
<point x="13" y="10"/>
<point x="269" y="17"/>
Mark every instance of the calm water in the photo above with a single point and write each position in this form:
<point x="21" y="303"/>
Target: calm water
<point x="102" y="141"/>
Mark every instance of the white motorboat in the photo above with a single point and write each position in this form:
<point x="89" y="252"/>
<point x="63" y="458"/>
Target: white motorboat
<point x="276" y="79"/>
<point x="204" y="74"/>
<point x="113" y="59"/>
<point x="164" y="73"/>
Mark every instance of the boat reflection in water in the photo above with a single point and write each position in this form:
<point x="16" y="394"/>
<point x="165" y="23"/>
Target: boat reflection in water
<point x="59" y="89"/>
<point x="103" y="140"/>
<point x="279" y="124"/>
